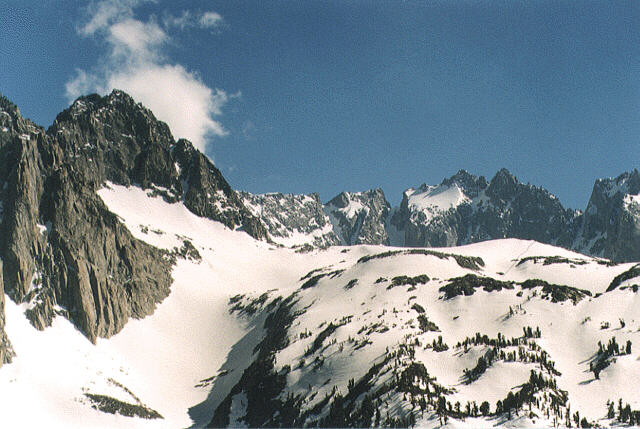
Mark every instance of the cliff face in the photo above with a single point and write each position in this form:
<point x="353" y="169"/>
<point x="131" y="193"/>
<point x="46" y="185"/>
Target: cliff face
<point x="63" y="252"/>
<point x="360" y="217"/>
<point x="611" y="222"/>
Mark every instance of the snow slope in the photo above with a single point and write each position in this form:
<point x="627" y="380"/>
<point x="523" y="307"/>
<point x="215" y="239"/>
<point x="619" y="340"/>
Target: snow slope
<point x="370" y="318"/>
<point x="433" y="200"/>
<point x="160" y="358"/>
<point x="183" y="361"/>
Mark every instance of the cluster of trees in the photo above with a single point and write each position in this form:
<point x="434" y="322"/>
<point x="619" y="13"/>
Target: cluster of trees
<point x="343" y="413"/>
<point x="445" y="409"/>
<point x="439" y="346"/>
<point x="624" y="413"/>
<point x="539" y="391"/>
<point x="529" y="332"/>
<point x="580" y="423"/>
<point x="408" y="377"/>
<point x="427" y="325"/>
<point x="500" y="341"/>
<point x="528" y="351"/>
<point x="604" y="355"/>
<point x="551" y="401"/>
<point x="412" y="380"/>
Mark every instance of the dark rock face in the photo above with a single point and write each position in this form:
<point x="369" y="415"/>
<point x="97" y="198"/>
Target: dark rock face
<point x="115" y="139"/>
<point x="611" y="222"/>
<point x="6" y="351"/>
<point x="360" y="217"/>
<point x="206" y="193"/>
<point x="61" y="248"/>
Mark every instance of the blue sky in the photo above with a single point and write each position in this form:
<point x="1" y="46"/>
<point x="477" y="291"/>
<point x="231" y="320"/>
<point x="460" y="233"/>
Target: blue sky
<point x="325" y="96"/>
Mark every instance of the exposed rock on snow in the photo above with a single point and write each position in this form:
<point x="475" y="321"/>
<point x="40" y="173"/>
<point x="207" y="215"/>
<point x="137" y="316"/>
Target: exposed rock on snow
<point x="360" y="217"/>
<point x="292" y="220"/>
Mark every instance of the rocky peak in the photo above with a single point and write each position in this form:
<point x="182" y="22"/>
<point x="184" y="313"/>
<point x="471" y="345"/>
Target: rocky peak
<point x="115" y="139"/>
<point x="503" y="186"/>
<point x="627" y="183"/>
<point x="465" y="209"/>
<point x="470" y="184"/>
<point x="50" y="207"/>
<point x="611" y="222"/>
<point x="360" y="217"/>
<point x="13" y="124"/>
<point x="9" y="114"/>
<point x="340" y="201"/>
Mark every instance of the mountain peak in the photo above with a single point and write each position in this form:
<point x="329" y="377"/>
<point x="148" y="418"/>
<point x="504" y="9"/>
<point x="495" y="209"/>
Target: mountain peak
<point x="503" y="185"/>
<point x="7" y="105"/>
<point x="470" y="184"/>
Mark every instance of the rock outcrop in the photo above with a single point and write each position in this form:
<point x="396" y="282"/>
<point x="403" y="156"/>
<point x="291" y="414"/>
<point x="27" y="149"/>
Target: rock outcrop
<point x="360" y="217"/>
<point x="292" y="220"/>
<point x="611" y="222"/>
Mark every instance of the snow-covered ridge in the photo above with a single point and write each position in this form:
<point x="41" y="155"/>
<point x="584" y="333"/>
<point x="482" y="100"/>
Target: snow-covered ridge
<point x="462" y="209"/>
<point x="435" y="199"/>
<point x="302" y="220"/>
<point x="292" y="220"/>
<point x="358" y="328"/>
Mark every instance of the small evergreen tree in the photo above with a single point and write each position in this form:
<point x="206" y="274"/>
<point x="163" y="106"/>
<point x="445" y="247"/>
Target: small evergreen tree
<point x="620" y="409"/>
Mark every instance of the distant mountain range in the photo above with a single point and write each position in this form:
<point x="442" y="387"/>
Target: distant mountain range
<point x="463" y="209"/>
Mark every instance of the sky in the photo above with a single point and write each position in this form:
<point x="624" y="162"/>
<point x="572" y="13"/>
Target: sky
<point x="328" y="96"/>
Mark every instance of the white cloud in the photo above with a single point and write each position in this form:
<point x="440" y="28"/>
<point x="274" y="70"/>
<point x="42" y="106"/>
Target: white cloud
<point x="176" y="96"/>
<point x="206" y="20"/>
<point x="210" y="20"/>
<point x="104" y="13"/>
<point x="136" y="38"/>
<point x="135" y="62"/>
<point x="81" y="84"/>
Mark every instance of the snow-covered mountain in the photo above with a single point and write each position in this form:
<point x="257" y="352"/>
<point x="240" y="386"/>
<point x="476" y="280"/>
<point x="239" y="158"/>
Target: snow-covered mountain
<point x="303" y="222"/>
<point x="260" y="335"/>
<point x="63" y="252"/>
<point x="140" y="290"/>
<point x="467" y="209"/>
